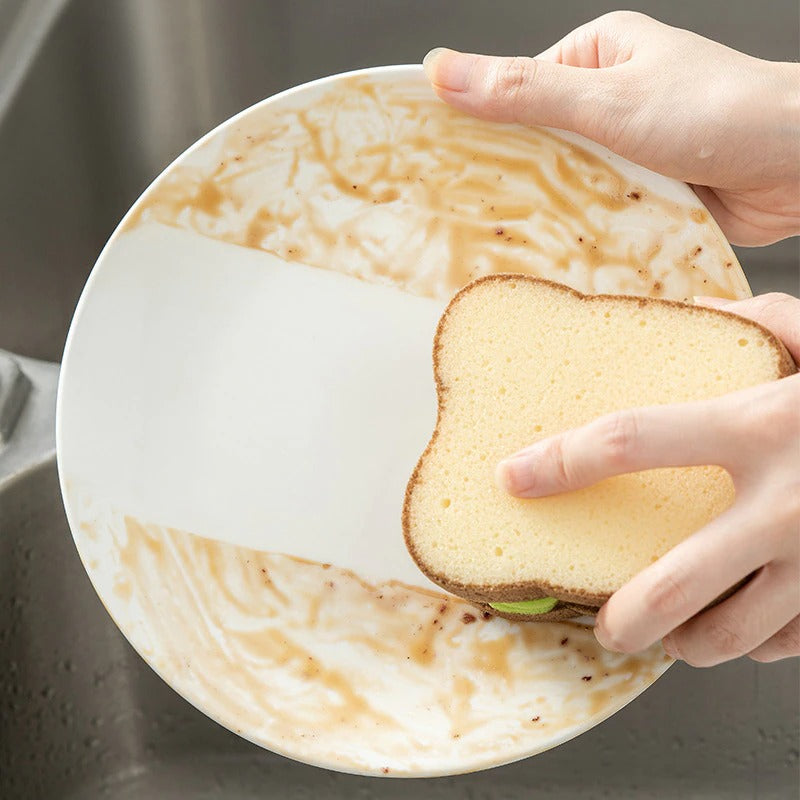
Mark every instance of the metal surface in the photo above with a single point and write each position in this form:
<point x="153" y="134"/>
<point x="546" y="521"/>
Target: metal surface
<point x="14" y="389"/>
<point x="32" y="439"/>
<point x="116" y="91"/>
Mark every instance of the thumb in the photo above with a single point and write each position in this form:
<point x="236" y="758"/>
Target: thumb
<point x="520" y="89"/>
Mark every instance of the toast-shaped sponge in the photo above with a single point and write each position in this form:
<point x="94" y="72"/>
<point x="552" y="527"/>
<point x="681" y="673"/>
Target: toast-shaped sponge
<point x="517" y="359"/>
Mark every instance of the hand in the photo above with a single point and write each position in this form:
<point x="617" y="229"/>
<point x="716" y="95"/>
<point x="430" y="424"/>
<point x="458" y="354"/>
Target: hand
<point x="755" y="435"/>
<point x="668" y="99"/>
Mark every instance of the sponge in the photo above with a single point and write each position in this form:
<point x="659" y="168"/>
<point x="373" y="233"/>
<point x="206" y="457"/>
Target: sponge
<point x="517" y="359"/>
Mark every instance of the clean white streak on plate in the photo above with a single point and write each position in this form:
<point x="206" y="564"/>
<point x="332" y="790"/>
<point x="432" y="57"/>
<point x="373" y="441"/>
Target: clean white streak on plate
<point x="272" y="405"/>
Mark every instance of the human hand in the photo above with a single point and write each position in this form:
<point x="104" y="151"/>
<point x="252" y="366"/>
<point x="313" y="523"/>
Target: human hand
<point x="666" y="98"/>
<point x="755" y="435"/>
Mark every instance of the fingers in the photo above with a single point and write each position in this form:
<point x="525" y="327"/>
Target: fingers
<point x="580" y="48"/>
<point x="784" y="644"/>
<point x="603" y="42"/>
<point x="626" y="441"/>
<point x="778" y="312"/>
<point x="578" y="84"/>
<point x="685" y="580"/>
<point x="520" y="89"/>
<point x="742" y="623"/>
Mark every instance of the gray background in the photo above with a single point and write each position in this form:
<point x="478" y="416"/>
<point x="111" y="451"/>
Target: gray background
<point x="116" y="90"/>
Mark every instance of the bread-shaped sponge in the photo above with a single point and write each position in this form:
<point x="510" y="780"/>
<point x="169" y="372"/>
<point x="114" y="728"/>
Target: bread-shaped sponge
<point x="517" y="359"/>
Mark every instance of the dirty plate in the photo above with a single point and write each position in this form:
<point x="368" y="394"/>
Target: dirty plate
<point x="247" y="385"/>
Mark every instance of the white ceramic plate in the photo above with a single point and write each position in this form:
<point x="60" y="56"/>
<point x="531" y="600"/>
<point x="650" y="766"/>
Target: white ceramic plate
<point x="247" y="386"/>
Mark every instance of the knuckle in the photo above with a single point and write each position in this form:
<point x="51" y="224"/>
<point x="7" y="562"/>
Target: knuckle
<point x="723" y="640"/>
<point x="742" y="414"/>
<point x="511" y="79"/>
<point x="619" y="438"/>
<point x="770" y="414"/>
<point x="765" y="655"/>
<point x="787" y="641"/>
<point x="562" y="474"/>
<point x="667" y="596"/>
<point x="622" y="17"/>
<point x="621" y="22"/>
<point x="781" y="412"/>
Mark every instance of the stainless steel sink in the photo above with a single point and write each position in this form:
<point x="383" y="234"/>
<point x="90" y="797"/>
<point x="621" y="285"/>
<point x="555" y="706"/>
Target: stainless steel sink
<point x="114" y="91"/>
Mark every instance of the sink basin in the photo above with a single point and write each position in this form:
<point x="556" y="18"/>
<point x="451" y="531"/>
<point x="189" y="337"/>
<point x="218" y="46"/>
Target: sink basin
<point x="113" y="92"/>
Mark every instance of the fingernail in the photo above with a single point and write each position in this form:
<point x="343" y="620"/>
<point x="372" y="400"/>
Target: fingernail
<point x="427" y="62"/>
<point x="449" y="69"/>
<point x="600" y="635"/>
<point x="515" y="474"/>
<point x="711" y="302"/>
<point x="669" y="647"/>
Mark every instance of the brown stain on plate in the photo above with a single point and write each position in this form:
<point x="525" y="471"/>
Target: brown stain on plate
<point x="320" y="657"/>
<point x="386" y="183"/>
<point x="493" y="656"/>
